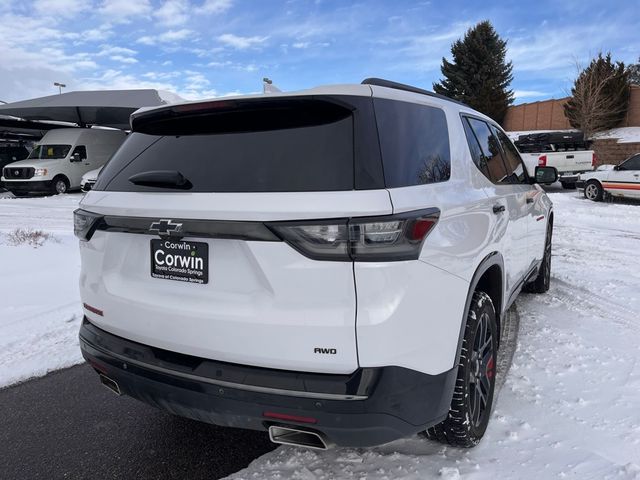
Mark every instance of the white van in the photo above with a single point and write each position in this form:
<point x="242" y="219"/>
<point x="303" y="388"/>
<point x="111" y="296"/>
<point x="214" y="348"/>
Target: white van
<point x="60" y="159"/>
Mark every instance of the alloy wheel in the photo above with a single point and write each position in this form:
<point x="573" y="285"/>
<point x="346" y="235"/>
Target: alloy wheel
<point x="481" y="370"/>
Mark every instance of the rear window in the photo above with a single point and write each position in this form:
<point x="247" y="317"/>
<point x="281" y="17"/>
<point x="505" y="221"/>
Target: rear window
<point x="414" y="141"/>
<point x="254" y="151"/>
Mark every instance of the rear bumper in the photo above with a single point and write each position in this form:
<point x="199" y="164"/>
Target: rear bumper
<point x="27" y="186"/>
<point x="369" y="407"/>
<point x="568" y="177"/>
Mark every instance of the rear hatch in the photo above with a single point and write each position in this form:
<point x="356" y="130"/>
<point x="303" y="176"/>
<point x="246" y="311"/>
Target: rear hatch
<point x="186" y="223"/>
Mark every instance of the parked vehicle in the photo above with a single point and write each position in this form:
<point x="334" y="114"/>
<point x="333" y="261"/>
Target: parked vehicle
<point x="616" y="180"/>
<point x="567" y="152"/>
<point x="60" y="159"/>
<point x="12" y="153"/>
<point x="89" y="179"/>
<point x="332" y="265"/>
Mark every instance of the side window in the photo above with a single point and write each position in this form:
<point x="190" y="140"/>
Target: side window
<point x="414" y="141"/>
<point x="632" y="163"/>
<point x="476" y="152"/>
<point x="515" y="168"/>
<point x="80" y="150"/>
<point x="490" y="149"/>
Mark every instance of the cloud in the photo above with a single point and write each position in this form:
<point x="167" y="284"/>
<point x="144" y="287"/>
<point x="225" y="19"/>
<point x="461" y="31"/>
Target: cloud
<point x="170" y="36"/>
<point x="173" y="12"/>
<point x="520" y="94"/>
<point x="241" y="43"/>
<point x="215" y="6"/>
<point x="123" y="59"/>
<point x="60" y="8"/>
<point x="115" y="50"/>
<point x="124" y="11"/>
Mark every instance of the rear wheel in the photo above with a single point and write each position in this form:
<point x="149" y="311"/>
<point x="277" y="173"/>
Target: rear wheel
<point x="59" y="185"/>
<point x="473" y="395"/>
<point x="593" y="191"/>
<point x="543" y="279"/>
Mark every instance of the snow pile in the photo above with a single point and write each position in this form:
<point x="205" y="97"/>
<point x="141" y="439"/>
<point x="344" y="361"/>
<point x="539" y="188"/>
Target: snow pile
<point x="624" y="134"/>
<point x="569" y="407"/>
<point x="40" y="309"/>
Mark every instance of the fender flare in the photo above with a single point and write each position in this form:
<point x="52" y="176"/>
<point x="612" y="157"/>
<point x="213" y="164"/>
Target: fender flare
<point x="491" y="260"/>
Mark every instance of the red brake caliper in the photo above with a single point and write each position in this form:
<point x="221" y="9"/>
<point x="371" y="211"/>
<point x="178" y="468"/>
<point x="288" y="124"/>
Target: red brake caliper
<point x="490" y="371"/>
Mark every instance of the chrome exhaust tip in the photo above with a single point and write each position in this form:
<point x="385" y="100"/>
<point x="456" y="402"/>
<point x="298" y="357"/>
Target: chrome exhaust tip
<point x="297" y="437"/>
<point x="110" y="384"/>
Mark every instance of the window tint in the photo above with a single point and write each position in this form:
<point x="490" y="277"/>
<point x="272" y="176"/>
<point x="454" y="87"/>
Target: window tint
<point x="414" y="141"/>
<point x="515" y="168"/>
<point x="490" y="148"/>
<point x="309" y="158"/>
<point x="632" y="163"/>
<point x="476" y="152"/>
<point x="80" y="150"/>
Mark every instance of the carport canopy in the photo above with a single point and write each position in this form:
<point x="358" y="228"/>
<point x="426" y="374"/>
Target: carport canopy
<point x="108" y="108"/>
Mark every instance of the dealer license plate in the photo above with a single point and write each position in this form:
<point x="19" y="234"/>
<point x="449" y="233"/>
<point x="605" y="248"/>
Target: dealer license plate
<point x="180" y="260"/>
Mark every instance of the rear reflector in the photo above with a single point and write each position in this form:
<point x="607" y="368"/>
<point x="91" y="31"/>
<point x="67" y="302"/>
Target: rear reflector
<point x="95" y="310"/>
<point x="290" y="418"/>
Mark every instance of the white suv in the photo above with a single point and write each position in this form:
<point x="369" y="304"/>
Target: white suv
<point x="331" y="265"/>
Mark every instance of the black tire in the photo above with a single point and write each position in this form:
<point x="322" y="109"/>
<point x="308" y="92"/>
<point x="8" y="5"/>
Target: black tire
<point x="593" y="191"/>
<point x="473" y="394"/>
<point x="59" y="185"/>
<point x="568" y="185"/>
<point x="543" y="279"/>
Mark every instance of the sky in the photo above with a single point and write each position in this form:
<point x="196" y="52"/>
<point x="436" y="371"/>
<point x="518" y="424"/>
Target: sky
<point x="207" y="48"/>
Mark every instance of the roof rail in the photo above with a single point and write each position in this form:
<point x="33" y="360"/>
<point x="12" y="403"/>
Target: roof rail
<point x="381" y="82"/>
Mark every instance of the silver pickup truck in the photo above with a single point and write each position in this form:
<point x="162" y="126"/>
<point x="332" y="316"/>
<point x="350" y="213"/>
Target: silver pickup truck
<point x="568" y="152"/>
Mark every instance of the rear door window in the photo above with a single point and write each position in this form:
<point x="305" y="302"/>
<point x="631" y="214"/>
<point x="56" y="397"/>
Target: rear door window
<point x="414" y="142"/>
<point x="263" y="154"/>
<point x="490" y="150"/>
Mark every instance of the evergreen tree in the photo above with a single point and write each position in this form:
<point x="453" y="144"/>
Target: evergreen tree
<point x="599" y="97"/>
<point x="479" y="75"/>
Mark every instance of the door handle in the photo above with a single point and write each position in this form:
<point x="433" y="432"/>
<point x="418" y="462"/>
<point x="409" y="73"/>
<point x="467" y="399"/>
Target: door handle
<point x="498" y="209"/>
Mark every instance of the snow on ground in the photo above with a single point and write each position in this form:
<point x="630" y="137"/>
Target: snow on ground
<point x="570" y="404"/>
<point x="623" y="134"/>
<point x="568" y="408"/>
<point x="40" y="308"/>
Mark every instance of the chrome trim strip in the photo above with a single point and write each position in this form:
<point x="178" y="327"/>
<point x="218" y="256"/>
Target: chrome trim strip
<point x="222" y="383"/>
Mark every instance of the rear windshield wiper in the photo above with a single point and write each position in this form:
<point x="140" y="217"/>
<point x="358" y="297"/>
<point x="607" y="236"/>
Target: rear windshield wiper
<point x="161" y="179"/>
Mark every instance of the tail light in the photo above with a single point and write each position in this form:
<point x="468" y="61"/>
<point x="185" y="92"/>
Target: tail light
<point x="373" y="239"/>
<point x="594" y="160"/>
<point x="85" y="224"/>
<point x="542" y="161"/>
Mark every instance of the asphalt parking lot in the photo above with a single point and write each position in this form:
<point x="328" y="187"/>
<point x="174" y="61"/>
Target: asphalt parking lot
<point x="68" y="426"/>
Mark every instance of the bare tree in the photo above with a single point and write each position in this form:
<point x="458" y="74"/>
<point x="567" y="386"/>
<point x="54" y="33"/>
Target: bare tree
<point x="599" y="97"/>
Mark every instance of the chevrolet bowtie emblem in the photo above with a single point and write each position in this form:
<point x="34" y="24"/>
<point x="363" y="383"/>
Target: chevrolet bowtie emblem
<point x="165" y="227"/>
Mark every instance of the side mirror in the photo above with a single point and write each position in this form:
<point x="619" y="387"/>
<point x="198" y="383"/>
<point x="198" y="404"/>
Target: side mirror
<point x="75" y="157"/>
<point x="546" y="175"/>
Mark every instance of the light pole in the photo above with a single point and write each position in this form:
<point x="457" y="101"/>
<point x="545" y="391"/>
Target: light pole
<point x="60" y="86"/>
